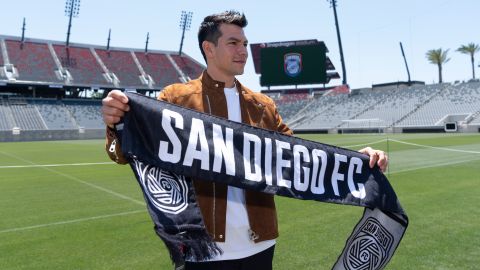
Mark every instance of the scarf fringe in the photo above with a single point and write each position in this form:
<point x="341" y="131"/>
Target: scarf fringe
<point x="195" y="245"/>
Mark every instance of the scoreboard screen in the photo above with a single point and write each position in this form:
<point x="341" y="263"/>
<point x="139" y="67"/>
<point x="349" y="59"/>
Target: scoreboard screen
<point x="293" y="65"/>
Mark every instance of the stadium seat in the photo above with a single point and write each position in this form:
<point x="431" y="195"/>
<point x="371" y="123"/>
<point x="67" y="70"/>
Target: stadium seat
<point x="122" y="65"/>
<point x="34" y="61"/>
<point x="158" y="66"/>
<point x="81" y="64"/>
<point x="191" y="68"/>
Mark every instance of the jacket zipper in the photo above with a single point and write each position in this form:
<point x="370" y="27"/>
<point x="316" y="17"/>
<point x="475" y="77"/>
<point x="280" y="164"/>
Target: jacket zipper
<point x="213" y="183"/>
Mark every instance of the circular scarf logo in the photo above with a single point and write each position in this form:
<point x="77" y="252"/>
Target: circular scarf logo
<point x="168" y="192"/>
<point x="369" y="248"/>
<point x="364" y="253"/>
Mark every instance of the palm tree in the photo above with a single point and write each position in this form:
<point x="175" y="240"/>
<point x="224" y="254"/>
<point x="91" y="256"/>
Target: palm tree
<point x="438" y="57"/>
<point x="470" y="49"/>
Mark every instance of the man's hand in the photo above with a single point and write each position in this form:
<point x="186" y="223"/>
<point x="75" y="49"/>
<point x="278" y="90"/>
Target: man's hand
<point x="376" y="157"/>
<point x="114" y="107"/>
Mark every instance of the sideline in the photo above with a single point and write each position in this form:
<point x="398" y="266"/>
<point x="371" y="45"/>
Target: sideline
<point x="70" y="221"/>
<point x="54" y="165"/>
<point x="111" y="192"/>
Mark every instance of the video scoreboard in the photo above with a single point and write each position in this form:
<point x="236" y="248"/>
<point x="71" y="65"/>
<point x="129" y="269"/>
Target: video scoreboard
<point x="291" y="63"/>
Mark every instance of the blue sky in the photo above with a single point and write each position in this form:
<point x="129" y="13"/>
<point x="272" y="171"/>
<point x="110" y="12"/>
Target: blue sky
<point x="371" y="30"/>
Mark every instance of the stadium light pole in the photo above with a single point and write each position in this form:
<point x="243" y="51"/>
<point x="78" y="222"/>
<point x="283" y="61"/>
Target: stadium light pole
<point x="185" y="22"/>
<point x="23" y="34"/>
<point x="333" y="3"/>
<point x="72" y="8"/>
<point x="108" y="39"/>
<point x="146" y="42"/>
<point x="406" y="65"/>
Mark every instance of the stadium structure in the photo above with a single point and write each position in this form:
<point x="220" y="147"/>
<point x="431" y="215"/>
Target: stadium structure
<point x="386" y="108"/>
<point x="49" y="91"/>
<point x="44" y="84"/>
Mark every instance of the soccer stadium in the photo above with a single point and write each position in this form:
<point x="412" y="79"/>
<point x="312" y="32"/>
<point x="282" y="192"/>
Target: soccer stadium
<point x="66" y="205"/>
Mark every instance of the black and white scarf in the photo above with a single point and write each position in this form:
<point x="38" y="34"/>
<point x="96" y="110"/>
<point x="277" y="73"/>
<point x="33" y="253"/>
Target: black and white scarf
<point x="167" y="145"/>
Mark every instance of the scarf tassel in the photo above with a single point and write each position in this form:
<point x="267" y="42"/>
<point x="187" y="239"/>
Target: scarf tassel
<point x="193" y="244"/>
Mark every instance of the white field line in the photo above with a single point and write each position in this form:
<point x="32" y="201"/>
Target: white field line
<point x="69" y="221"/>
<point x="437" y="148"/>
<point x="79" y="180"/>
<point x="363" y="144"/>
<point x="434" y="165"/>
<point x="55" y="165"/>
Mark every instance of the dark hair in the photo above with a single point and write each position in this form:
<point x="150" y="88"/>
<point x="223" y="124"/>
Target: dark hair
<point x="210" y="27"/>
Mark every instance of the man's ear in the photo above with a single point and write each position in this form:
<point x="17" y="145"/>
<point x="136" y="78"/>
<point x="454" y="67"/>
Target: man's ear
<point x="207" y="47"/>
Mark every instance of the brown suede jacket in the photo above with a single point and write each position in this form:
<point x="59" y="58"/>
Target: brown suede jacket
<point x="206" y="95"/>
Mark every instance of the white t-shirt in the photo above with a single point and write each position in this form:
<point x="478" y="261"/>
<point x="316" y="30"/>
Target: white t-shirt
<point x="237" y="243"/>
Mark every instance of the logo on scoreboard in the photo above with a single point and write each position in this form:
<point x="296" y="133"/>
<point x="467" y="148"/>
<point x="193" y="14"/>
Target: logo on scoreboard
<point x="292" y="64"/>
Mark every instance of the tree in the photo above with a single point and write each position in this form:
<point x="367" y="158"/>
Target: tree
<point x="438" y="57"/>
<point x="470" y="49"/>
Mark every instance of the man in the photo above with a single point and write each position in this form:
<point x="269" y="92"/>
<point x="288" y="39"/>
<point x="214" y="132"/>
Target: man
<point x="242" y="223"/>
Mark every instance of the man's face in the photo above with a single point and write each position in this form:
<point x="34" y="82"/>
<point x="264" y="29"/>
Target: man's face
<point x="230" y="54"/>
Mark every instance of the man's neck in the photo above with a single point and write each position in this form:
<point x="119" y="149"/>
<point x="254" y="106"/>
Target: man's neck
<point x="218" y="76"/>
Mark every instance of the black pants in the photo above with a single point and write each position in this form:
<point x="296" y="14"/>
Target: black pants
<point x="259" y="261"/>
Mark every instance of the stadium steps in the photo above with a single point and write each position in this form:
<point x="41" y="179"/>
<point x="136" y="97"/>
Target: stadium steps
<point x="82" y="65"/>
<point x="122" y="66"/>
<point x="182" y="77"/>
<point x="188" y="65"/>
<point x="3" y="55"/>
<point x="3" y="47"/>
<point x="27" y="117"/>
<point x="41" y="118"/>
<point x="158" y="67"/>
<point x="70" y="116"/>
<point x="144" y="77"/>
<point x="475" y="117"/>
<point x="61" y="73"/>
<point x="109" y="76"/>
<point x="300" y="115"/>
<point x="8" y="71"/>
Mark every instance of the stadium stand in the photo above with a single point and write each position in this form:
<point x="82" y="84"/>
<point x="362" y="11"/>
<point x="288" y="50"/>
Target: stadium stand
<point x="33" y="61"/>
<point x="81" y="64"/>
<point x="390" y="107"/>
<point x="188" y="66"/>
<point x="87" y="114"/>
<point x="50" y="114"/>
<point x="40" y="67"/>
<point x="462" y="99"/>
<point x="122" y="65"/>
<point x="50" y="63"/>
<point x="289" y="105"/>
<point x="159" y="68"/>
<point x="415" y="106"/>
<point x="55" y="115"/>
<point x="326" y="115"/>
<point x="25" y="116"/>
<point x="6" y="118"/>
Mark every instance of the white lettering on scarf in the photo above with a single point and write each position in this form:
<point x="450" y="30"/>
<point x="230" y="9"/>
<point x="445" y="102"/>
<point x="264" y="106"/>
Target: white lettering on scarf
<point x="309" y="167"/>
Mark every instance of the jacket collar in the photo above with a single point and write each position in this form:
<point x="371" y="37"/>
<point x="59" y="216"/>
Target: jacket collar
<point x="212" y="86"/>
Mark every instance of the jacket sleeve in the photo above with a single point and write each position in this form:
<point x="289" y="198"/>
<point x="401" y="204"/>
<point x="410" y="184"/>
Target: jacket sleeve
<point x="113" y="148"/>
<point x="281" y="126"/>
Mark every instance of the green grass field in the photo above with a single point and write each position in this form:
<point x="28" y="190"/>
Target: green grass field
<point x="89" y="213"/>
